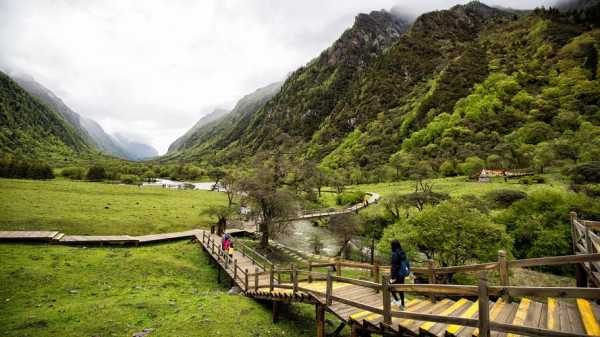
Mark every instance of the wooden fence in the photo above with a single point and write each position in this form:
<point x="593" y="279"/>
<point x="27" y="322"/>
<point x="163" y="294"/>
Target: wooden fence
<point x="585" y="242"/>
<point x="483" y="291"/>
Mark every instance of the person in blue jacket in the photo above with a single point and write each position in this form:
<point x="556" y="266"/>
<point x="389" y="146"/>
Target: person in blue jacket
<point x="400" y="269"/>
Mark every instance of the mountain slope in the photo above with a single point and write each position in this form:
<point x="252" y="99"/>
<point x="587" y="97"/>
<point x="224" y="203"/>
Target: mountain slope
<point x="30" y="129"/>
<point x="221" y="129"/>
<point x="185" y="140"/>
<point x="135" y="150"/>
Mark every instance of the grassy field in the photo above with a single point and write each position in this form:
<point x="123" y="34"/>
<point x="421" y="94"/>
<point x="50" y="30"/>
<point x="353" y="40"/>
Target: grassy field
<point x="75" y="207"/>
<point x="67" y="291"/>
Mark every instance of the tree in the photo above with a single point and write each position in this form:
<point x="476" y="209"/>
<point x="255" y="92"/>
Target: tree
<point x="221" y="214"/>
<point x="393" y="204"/>
<point x="216" y="175"/>
<point x="543" y="156"/>
<point x="96" y="173"/>
<point x="316" y="244"/>
<point x="472" y="166"/>
<point x="424" y="195"/>
<point x="345" y="226"/>
<point x="273" y="206"/>
<point x="450" y="233"/>
<point x="230" y="183"/>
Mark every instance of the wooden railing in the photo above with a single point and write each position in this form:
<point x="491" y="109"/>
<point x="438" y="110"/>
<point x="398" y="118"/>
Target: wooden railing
<point x="585" y="242"/>
<point x="249" y="281"/>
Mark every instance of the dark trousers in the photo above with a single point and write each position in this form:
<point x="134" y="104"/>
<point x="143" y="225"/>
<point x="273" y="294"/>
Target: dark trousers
<point x="399" y="280"/>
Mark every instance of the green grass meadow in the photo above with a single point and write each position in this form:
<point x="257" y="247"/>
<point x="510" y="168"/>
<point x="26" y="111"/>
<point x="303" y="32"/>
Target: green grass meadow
<point x="76" y="207"/>
<point x="48" y="290"/>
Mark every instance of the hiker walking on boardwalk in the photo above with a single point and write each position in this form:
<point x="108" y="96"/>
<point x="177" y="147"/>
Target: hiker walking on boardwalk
<point x="400" y="269"/>
<point x="226" y="243"/>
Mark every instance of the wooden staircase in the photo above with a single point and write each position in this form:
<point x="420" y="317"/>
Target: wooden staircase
<point x="580" y="318"/>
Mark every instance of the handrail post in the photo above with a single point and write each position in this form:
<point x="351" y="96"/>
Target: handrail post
<point x="271" y="279"/>
<point x="484" y="306"/>
<point x="329" y="289"/>
<point x="309" y="271"/>
<point x="234" y="269"/>
<point x="431" y="266"/>
<point x="292" y="273"/>
<point x="256" y="279"/>
<point x="503" y="272"/>
<point x="376" y="273"/>
<point x="338" y="266"/>
<point x="387" y="304"/>
<point x="242" y="249"/>
<point x="295" y="278"/>
<point x="246" y="280"/>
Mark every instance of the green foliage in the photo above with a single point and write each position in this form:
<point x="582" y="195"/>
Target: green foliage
<point x="472" y="166"/>
<point x="544" y="216"/>
<point x="96" y="173"/>
<point x="503" y="198"/>
<point x="24" y="169"/>
<point x="450" y="233"/>
<point x="349" y="198"/>
<point x="585" y="173"/>
<point x="130" y="179"/>
<point x="73" y="172"/>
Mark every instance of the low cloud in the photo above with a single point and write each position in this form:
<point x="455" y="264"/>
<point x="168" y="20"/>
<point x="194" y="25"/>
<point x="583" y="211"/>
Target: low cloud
<point x="155" y="67"/>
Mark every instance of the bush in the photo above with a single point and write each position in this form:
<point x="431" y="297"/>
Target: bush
<point x="585" y="173"/>
<point x="349" y="198"/>
<point x="74" y="173"/>
<point x="130" y="179"/>
<point x="13" y="168"/>
<point x="504" y="198"/>
<point x="96" y="173"/>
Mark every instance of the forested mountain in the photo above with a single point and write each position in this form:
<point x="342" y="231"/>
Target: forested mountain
<point x="86" y="128"/>
<point x="30" y="129"/>
<point x="471" y="83"/>
<point x="189" y="137"/>
<point x="221" y="127"/>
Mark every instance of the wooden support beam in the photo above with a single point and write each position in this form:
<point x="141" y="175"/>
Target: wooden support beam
<point x="275" y="311"/>
<point x="387" y="301"/>
<point x="504" y="273"/>
<point x="431" y="267"/>
<point x="484" y="306"/>
<point x="309" y="271"/>
<point x="329" y="289"/>
<point x="320" y="320"/>
<point x="246" y="284"/>
<point x="256" y="279"/>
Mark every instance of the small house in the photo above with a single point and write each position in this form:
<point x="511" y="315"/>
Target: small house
<point x="484" y="177"/>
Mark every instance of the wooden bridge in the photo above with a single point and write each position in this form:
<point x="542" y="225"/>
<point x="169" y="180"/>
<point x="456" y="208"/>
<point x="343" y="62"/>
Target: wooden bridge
<point x="325" y="212"/>
<point x="436" y="310"/>
<point x="433" y="310"/>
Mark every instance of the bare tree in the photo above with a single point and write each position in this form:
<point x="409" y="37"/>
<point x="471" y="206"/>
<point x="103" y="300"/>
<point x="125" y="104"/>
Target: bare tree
<point x="221" y="214"/>
<point x="273" y="206"/>
<point x="345" y="226"/>
<point x="230" y="182"/>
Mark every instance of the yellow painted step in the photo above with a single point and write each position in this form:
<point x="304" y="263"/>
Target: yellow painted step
<point x="428" y="325"/>
<point x="552" y="322"/>
<point x="473" y="309"/>
<point x="587" y="317"/>
<point x="496" y="309"/>
<point x="521" y="314"/>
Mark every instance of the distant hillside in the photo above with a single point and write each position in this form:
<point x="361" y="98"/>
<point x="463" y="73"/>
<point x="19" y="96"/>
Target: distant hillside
<point x="133" y="149"/>
<point x="30" y="129"/>
<point x="187" y="139"/>
<point x="221" y="126"/>
<point x="87" y="128"/>
<point x="470" y="84"/>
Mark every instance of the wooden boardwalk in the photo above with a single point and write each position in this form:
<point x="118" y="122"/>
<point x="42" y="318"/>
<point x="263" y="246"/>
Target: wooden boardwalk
<point x="322" y="213"/>
<point x="362" y="304"/>
<point x="61" y="238"/>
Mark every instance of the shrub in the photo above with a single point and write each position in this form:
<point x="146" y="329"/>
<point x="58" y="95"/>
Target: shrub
<point x="14" y="168"/>
<point x="472" y="166"/>
<point x="585" y="173"/>
<point x="130" y="179"/>
<point x="349" y="198"/>
<point x="504" y="197"/>
<point x="96" y="173"/>
<point x="74" y="173"/>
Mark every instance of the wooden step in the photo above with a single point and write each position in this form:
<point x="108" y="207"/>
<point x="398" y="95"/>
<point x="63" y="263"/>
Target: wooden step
<point x="497" y="308"/>
<point x="507" y="315"/>
<point x="436" y="309"/>
<point x="471" y="312"/>
<point x="521" y="315"/>
<point x="438" y="329"/>
<point x="588" y="317"/>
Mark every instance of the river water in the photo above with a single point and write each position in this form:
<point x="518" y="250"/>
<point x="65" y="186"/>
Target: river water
<point x="299" y="235"/>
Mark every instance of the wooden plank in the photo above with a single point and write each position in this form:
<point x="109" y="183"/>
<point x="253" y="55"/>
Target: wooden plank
<point x="534" y="315"/>
<point x="552" y="315"/>
<point x="576" y="323"/>
<point x="427" y="326"/>
<point x="456" y="310"/>
<point x="473" y="309"/>
<point x="521" y="314"/>
<point x="497" y="308"/>
<point x="588" y="319"/>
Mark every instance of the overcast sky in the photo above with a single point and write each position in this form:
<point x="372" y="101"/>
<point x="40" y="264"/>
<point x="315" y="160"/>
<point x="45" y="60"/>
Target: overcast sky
<point x="151" y="68"/>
